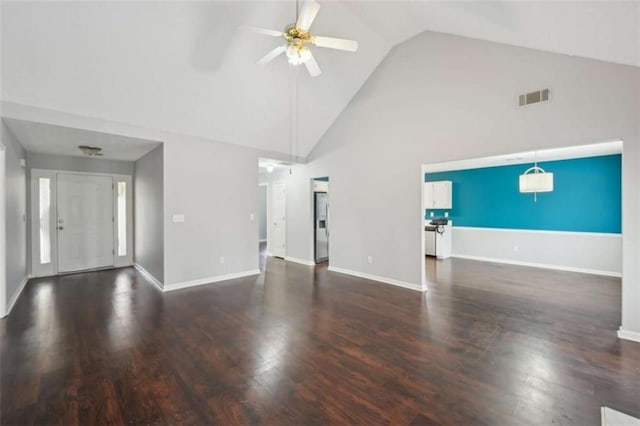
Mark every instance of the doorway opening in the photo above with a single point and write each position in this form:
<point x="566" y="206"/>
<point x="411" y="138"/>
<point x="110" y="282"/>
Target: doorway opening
<point x="321" y="219"/>
<point x="486" y="209"/>
<point x="263" y="229"/>
<point x="272" y="209"/>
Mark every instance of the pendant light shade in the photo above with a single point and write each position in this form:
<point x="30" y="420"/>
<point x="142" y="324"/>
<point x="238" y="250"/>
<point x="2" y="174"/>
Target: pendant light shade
<point x="536" y="179"/>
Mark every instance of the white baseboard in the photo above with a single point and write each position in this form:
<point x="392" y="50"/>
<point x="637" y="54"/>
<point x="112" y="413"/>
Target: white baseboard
<point x="210" y="280"/>
<point x="150" y="277"/>
<point x="611" y="417"/>
<point x="628" y="335"/>
<point x="539" y="265"/>
<point x="300" y="261"/>
<point x="410" y="286"/>
<point x="16" y="295"/>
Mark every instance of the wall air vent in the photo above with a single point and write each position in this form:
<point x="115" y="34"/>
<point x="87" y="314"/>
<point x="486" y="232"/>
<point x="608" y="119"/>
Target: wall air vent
<point x="542" y="95"/>
<point x="91" y="151"/>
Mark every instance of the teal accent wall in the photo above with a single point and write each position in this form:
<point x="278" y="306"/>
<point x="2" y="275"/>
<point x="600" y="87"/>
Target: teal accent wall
<point x="587" y="197"/>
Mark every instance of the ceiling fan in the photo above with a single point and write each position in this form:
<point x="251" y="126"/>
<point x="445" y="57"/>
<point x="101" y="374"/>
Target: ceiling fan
<point x="298" y="39"/>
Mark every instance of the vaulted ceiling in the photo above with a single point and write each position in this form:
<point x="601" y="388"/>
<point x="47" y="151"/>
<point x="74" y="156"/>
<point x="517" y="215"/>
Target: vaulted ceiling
<point x="186" y="68"/>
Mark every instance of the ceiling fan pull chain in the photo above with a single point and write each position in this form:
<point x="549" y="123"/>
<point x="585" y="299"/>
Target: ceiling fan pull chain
<point x="291" y="117"/>
<point x="297" y="109"/>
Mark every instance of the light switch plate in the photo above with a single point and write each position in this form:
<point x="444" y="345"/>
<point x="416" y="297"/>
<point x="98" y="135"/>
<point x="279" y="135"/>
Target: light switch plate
<point x="178" y="218"/>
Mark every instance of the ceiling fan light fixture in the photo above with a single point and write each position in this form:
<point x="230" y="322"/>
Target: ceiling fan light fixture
<point x="297" y="55"/>
<point x="297" y="38"/>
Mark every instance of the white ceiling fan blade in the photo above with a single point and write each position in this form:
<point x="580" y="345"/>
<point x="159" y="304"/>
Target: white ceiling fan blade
<point x="271" y="55"/>
<point x="312" y="66"/>
<point x="265" y="31"/>
<point x="307" y="15"/>
<point x="336" y="43"/>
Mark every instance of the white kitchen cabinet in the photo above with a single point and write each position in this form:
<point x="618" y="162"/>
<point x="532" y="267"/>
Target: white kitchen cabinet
<point x="438" y="195"/>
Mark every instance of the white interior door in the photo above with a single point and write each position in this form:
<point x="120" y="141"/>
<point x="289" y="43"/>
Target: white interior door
<point x="278" y="219"/>
<point x="84" y="222"/>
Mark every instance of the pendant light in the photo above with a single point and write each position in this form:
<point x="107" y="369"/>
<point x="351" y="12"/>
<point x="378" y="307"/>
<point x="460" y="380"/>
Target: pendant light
<point x="535" y="180"/>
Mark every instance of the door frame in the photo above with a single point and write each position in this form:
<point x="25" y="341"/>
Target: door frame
<point x="41" y="270"/>
<point x="315" y="229"/>
<point x="3" y="236"/>
<point x="270" y="217"/>
<point x="268" y="208"/>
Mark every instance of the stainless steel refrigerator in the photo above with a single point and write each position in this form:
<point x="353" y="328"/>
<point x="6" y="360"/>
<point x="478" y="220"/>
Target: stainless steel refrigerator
<point x="321" y="232"/>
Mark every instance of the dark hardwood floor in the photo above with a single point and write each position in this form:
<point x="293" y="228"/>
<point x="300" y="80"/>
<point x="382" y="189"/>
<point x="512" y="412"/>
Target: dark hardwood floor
<point x="487" y="344"/>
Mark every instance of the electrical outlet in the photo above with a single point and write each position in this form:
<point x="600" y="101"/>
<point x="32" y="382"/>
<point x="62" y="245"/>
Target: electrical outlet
<point x="221" y="260"/>
<point x="516" y="248"/>
<point x="446" y="214"/>
<point x="369" y="259"/>
<point x="178" y="218"/>
<point x="252" y="217"/>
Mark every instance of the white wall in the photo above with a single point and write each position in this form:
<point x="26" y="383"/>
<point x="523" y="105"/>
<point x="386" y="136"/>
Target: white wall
<point x="578" y="251"/>
<point x="149" y="214"/>
<point x="215" y="186"/>
<point x="36" y="160"/>
<point x="440" y="98"/>
<point x="16" y="210"/>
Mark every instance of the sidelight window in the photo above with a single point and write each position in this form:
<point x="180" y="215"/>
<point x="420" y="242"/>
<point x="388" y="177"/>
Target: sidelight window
<point x="122" y="218"/>
<point x="44" y="187"/>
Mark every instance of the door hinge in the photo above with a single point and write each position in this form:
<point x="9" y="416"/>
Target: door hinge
<point x="113" y="251"/>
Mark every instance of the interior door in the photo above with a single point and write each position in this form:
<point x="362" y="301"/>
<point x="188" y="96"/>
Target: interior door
<point x="84" y="222"/>
<point x="277" y="245"/>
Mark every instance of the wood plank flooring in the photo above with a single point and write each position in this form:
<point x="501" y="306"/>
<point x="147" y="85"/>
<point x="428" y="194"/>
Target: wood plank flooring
<point x="487" y="344"/>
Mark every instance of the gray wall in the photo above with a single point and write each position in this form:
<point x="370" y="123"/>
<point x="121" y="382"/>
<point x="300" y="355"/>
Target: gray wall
<point x="16" y="210"/>
<point x="438" y="98"/>
<point x="215" y="186"/>
<point x="36" y="160"/>
<point x="148" y="185"/>
<point x="262" y="212"/>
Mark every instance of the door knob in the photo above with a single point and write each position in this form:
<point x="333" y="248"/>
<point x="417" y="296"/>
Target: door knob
<point x="60" y="228"/>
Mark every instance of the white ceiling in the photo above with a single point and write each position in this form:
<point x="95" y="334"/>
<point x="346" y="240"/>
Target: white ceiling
<point x="183" y="67"/>
<point x="49" y="139"/>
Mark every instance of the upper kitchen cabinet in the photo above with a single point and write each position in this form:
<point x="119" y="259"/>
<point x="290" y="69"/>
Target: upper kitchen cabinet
<point x="437" y="195"/>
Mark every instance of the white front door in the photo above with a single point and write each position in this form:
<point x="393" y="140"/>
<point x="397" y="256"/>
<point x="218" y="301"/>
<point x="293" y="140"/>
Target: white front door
<point x="84" y="222"/>
<point x="278" y="219"/>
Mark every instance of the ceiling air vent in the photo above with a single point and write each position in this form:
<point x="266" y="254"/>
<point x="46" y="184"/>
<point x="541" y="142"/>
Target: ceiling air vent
<point x="536" y="97"/>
